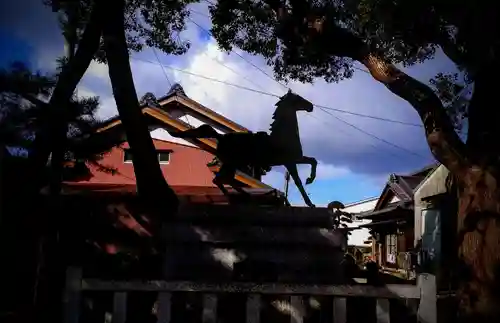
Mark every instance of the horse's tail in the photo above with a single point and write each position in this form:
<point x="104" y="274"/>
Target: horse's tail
<point x="203" y="131"/>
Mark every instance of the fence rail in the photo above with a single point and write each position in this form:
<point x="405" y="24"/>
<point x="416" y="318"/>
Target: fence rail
<point x="424" y="292"/>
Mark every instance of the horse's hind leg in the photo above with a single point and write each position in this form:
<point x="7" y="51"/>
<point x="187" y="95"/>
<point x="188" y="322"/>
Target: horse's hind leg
<point x="292" y="169"/>
<point x="226" y="176"/>
<point x="221" y="179"/>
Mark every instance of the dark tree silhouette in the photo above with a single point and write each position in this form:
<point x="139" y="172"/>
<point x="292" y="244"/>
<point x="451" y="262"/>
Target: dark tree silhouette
<point x="304" y="39"/>
<point x="23" y="96"/>
<point x="107" y="33"/>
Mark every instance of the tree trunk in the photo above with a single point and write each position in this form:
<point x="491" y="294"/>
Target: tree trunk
<point x="479" y="204"/>
<point x="479" y="247"/>
<point x="151" y="184"/>
<point x="475" y="166"/>
<point x="53" y="127"/>
<point x="52" y="137"/>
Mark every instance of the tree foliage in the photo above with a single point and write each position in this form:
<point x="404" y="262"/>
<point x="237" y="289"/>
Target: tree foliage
<point x="147" y="23"/>
<point x="23" y="107"/>
<point x="402" y="32"/>
<point x="399" y="31"/>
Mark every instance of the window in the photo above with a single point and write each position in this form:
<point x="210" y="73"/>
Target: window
<point x="127" y="156"/>
<point x="163" y="156"/>
<point x="391" y="248"/>
<point x="431" y="233"/>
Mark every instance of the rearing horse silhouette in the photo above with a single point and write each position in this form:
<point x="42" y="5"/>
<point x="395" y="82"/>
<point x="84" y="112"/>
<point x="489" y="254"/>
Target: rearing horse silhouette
<point x="281" y="147"/>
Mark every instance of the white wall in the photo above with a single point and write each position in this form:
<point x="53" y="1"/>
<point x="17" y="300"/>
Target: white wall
<point x="434" y="184"/>
<point x="357" y="237"/>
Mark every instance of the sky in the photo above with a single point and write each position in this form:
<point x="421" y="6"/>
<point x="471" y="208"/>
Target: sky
<point x="354" y="165"/>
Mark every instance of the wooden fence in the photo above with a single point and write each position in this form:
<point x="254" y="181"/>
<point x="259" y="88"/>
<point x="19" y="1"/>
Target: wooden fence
<point x="424" y="292"/>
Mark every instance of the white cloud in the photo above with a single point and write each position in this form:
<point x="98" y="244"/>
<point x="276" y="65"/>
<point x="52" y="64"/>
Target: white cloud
<point x="340" y="147"/>
<point x="328" y="171"/>
<point x="98" y="70"/>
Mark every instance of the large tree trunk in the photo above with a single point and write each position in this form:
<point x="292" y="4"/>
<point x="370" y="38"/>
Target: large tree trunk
<point x="52" y="138"/>
<point x="53" y="128"/>
<point x="479" y="246"/>
<point x="475" y="166"/>
<point x="151" y="185"/>
<point x="479" y="204"/>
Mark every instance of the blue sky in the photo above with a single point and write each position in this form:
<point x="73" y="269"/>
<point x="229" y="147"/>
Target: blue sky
<point x="353" y="165"/>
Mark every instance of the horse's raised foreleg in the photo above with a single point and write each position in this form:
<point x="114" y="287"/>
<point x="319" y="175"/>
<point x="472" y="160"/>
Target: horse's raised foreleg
<point x="314" y="165"/>
<point x="292" y="169"/>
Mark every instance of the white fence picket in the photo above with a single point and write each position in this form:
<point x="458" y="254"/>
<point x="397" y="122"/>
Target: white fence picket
<point x="339" y="310"/>
<point x="253" y="308"/>
<point x="164" y="307"/>
<point x="119" y="307"/>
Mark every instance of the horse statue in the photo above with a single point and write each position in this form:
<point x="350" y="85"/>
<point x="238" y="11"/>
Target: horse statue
<point x="281" y="146"/>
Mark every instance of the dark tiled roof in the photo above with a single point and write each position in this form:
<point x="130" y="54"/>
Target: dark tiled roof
<point x="177" y="90"/>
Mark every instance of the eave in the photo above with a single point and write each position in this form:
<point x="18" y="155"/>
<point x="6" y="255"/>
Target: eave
<point x="209" y="145"/>
<point x="402" y="186"/>
<point x="201" y="111"/>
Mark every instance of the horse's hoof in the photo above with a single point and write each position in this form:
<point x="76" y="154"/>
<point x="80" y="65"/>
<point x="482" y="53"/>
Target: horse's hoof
<point x="309" y="181"/>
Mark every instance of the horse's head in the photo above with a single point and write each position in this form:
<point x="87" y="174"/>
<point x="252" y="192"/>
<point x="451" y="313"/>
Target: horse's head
<point x="295" y="102"/>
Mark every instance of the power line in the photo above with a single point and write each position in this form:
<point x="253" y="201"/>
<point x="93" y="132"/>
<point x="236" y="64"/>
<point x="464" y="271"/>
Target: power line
<point x="209" y="78"/>
<point x="373" y="136"/>
<point x="325" y="109"/>
<point x="241" y="56"/>
<point x="319" y="106"/>
<point x="162" y="68"/>
<point x="390" y="152"/>
<point x="370" y="116"/>
<point x="277" y="96"/>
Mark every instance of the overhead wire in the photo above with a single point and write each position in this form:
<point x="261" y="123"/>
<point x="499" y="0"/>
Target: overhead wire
<point x="390" y="152"/>
<point x="208" y="32"/>
<point x="325" y="109"/>
<point x="277" y="96"/>
<point x="162" y="68"/>
<point x="316" y="105"/>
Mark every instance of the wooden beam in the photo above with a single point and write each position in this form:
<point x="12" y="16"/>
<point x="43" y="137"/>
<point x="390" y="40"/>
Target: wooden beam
<point x="389" y="291"/>
<point x="177" y="124"/>
<point x="174" y="123"/>
<point x="205" y="112"/>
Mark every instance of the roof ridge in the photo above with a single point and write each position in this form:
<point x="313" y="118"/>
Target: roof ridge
<point x="179" y="92"/>
<point x="368" y="199"/>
